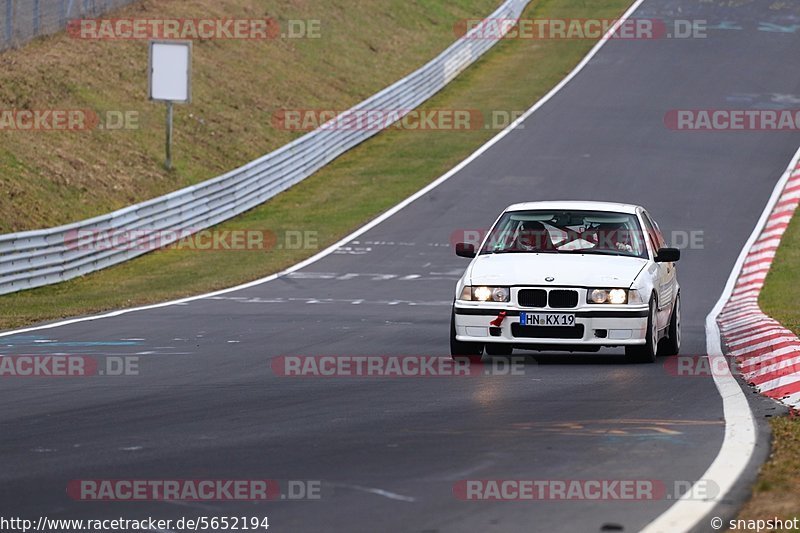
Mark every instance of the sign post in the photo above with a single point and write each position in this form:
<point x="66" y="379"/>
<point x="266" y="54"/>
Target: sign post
<point x="168" y="162"/>
<point x="170" y="77"/>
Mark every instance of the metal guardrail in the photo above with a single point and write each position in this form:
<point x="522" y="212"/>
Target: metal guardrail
<point x="42" y="257"/>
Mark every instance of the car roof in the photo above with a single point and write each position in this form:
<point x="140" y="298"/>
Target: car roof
<point x="612" y="207"/>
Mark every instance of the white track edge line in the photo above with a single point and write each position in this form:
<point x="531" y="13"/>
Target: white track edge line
<point x="739" y="442"/>
<point x="371" y="224"/>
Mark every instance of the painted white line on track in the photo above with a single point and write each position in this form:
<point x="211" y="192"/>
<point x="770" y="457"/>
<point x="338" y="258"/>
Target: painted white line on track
<point x="778" y="382"/>
<point x="379" y="492"/>
<point x="759" y="330"/>
<point x="763" y="370"/>
<point x="750" y="345"/>
<point x="324" y="301"/>
<point x="793" y="399"/>
<point x="745" y="365"/>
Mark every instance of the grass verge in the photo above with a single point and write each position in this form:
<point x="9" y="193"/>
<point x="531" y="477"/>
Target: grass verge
<point x="776" y="493"/>
<point x="353" y="189"/>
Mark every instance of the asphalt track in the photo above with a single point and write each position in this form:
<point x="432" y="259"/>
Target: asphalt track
<point x="387" y="452"/>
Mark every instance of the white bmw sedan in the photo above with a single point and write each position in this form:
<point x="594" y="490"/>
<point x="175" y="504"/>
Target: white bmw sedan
<point x="571" y="276"/>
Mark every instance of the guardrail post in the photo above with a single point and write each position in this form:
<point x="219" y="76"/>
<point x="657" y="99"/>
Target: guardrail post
<point x="9" y="21"/>
<point x="36" y="18"/>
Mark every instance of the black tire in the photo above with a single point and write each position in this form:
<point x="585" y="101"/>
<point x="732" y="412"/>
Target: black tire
<point x="646" y="353"/>
<point x="499" y="348"/>
<point x="472" y="351"/>
<point x="671" y="345"/>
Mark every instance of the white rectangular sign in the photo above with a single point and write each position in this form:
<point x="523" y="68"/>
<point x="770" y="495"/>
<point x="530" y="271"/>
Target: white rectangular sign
<point x="171" y="71"/>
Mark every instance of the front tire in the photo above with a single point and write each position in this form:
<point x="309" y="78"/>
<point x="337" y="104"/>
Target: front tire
<point x="472" y="351"/>
<point x="672" y="344"/>
<point x="646" y="353"/>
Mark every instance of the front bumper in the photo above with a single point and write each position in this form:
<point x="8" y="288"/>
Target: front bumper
<point x="596" y="325"/>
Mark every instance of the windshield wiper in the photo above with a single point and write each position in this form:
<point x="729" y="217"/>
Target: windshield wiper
<point x="597" y="252"/>
<point x="520" y="252"/>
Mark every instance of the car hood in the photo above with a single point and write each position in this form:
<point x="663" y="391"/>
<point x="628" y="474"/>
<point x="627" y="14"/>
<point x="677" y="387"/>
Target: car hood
<point x="577" y="270"/>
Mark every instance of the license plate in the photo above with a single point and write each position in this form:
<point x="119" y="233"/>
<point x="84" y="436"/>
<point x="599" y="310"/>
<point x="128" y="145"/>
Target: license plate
<point x="546" y="319"/>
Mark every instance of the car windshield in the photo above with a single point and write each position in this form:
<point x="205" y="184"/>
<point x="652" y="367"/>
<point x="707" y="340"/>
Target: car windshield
<point x="559" y="231"/>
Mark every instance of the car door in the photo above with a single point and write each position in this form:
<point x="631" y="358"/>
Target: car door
<point x="672" y="268"/>
<point x="665" y="275"/>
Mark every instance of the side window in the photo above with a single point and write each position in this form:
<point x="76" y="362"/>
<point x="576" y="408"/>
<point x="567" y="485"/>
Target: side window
<point x="662" y="243"/>
<point x="652" y="235"/>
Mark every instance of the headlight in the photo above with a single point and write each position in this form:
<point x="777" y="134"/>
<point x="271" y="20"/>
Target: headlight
<point x="607" y="296"/>
<point x="501" y="294"/>
<point x="485" y="294"/>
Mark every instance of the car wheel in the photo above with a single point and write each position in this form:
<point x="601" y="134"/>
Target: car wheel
<point x="498" y="348"/>
<point x="473" y="351"/>
<point x="672" y="344"/>
<point x="646" y="353"/>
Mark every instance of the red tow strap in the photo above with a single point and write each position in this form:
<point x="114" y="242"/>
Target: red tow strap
<point x="499" y="320"/>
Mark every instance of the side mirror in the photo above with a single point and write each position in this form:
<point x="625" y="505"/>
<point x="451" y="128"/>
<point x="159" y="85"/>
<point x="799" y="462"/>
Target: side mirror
<point x="668" y="255"/>
<point x="465" y="250"/>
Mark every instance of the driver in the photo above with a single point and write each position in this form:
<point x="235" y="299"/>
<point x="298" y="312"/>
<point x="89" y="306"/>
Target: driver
<point x="534" y="237"/>
<point x="613" y="236"/>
